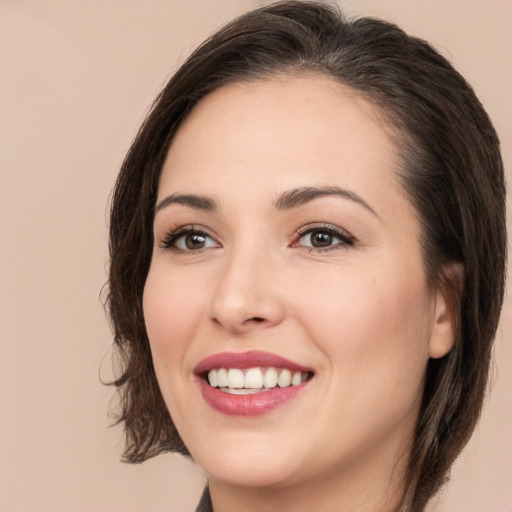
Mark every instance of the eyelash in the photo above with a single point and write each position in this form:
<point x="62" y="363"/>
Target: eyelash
<point x="169" y="240"/>
<point x="346" y="240"/>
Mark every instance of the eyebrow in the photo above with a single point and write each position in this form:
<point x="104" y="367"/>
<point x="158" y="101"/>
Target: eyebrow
<point x="299" y="196"/>
<point x="190" y="200"/>
<point x="286" y="201"/>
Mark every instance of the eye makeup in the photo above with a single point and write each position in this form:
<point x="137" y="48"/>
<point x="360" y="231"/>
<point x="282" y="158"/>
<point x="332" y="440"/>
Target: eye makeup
<point x="322" y="238"/>
<point x="189" y="238"/>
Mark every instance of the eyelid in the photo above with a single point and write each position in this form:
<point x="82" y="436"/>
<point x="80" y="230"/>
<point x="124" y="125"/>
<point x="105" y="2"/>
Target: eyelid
<point x="171" y="236"/>
<point x="344" y="236"/>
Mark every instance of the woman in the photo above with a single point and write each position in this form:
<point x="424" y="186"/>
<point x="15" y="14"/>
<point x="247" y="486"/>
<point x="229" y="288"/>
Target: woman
<point x="307" y="265"/>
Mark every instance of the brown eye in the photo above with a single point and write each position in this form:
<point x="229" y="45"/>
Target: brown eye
<point x="194" y="242"/>
<point x="320" y="239"/>
<point x="188" y="240"/>
<point x="325" y="238"/>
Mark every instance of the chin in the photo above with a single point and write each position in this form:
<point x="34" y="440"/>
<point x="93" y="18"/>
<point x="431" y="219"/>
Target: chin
<point x="252" y="476"/>
<point x="253" y="465"/>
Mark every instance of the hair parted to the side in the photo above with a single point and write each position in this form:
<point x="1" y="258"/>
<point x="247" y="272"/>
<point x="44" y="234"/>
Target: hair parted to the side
<point x="450" y="167"/>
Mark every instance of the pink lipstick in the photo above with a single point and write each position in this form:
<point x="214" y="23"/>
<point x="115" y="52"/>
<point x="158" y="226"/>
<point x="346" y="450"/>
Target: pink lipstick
<point x="243" y="360"/>
<point x="250" y="383"/>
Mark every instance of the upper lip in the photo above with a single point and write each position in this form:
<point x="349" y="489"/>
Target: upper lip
<point x="244" y="360"/>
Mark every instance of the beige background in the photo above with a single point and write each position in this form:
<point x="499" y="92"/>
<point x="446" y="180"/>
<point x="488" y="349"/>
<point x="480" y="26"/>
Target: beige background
<point x="76" y="79"/>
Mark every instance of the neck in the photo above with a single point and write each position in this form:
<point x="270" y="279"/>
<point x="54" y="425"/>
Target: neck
<point x="362" y="489"/>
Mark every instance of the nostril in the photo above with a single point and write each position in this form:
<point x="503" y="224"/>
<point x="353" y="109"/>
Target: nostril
<point x="256" y="319"/>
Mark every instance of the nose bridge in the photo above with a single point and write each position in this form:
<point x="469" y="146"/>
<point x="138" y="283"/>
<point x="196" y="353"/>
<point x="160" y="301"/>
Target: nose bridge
<point x="245" y="296"/>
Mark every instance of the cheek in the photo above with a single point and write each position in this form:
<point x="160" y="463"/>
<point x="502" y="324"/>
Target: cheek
<point x="171" y="314"/>
<point x="373" y="333"/>
<point x="370" y="321"/>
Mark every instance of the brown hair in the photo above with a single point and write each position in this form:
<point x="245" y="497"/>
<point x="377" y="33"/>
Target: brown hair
<point x="450" y="166"/>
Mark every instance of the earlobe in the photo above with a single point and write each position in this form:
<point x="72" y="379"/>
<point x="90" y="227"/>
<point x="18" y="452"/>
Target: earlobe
<point x="445" y="321"/>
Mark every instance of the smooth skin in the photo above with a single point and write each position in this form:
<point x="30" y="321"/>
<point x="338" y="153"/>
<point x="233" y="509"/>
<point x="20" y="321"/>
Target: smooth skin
<point x="335" y="283"/>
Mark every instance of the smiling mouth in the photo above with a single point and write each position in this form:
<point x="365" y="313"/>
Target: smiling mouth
<point x="251" y="383"/>
<point x="254" y="380"/>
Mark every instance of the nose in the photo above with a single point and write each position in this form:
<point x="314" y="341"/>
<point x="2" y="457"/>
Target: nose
<point x="247" y="296"/>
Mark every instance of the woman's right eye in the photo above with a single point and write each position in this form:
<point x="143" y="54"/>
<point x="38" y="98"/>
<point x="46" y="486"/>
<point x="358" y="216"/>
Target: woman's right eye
<point x="188" y="240"/>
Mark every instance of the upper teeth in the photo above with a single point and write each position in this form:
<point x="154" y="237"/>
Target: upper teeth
<point x="254" y="378"/>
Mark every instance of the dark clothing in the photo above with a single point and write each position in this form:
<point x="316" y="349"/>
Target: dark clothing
<point x="205" y="505"/>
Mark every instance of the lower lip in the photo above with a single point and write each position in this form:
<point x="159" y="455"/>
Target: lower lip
<point x="249" y="405"/>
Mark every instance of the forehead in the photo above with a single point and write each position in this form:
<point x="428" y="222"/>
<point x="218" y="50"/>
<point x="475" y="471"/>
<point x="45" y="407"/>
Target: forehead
<point x="283" y="109"/>
<point x="286" y="132"/>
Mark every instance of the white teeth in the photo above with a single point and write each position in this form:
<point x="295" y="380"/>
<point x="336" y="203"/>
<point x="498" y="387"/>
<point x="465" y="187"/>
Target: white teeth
<point x="222" y="378"/>
<point x="296" y="378"/>
<point x="270" y="379"/>
<point x="235" y="378"/>
<point x="285" y="379"/>
<point x="243" y="391"/>
<point x="253" y="380"/>
<point x="213" y="378"/>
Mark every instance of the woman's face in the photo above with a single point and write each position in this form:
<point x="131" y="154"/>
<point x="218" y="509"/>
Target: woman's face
<point x="285" y="249"/>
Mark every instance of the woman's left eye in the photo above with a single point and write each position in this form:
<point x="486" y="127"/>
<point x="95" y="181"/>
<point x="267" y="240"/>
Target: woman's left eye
<point x="324" y="238"/>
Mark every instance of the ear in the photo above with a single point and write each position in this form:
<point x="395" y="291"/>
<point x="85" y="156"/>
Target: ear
<point x="445" y="321"/>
